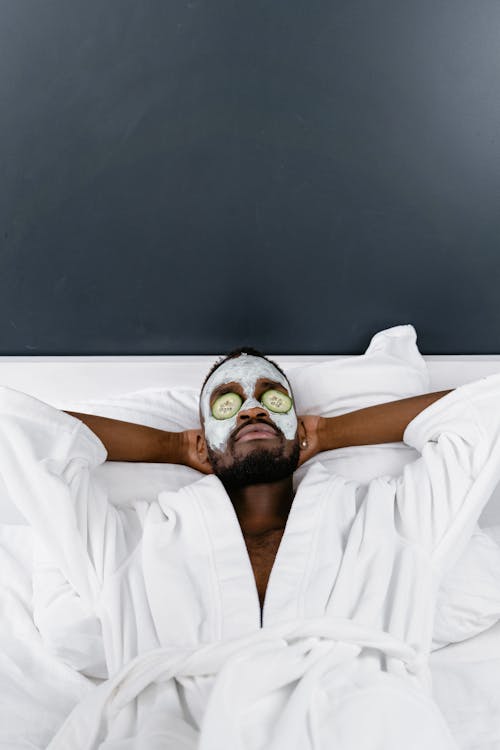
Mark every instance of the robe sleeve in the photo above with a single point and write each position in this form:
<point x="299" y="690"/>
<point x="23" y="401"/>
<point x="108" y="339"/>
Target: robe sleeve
<point x="46" y="459"/>
<point x="440" y="497"/>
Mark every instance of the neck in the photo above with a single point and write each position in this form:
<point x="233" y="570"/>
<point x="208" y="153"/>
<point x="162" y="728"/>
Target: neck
<point x="261" y="508"/>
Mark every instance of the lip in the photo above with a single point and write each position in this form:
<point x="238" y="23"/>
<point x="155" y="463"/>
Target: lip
<point x="261" y="429"/>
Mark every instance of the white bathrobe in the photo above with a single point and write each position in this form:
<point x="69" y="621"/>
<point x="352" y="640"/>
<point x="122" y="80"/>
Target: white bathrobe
<point x="340" y="659"/>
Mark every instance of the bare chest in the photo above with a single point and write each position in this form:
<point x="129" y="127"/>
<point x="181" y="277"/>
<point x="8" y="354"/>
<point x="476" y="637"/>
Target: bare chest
<point x="262" y="552"/>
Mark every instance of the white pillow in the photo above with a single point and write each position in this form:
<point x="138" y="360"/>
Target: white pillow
<point x="391" y="368"/>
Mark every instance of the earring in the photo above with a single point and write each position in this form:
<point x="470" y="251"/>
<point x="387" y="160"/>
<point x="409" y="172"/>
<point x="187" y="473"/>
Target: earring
<point x="304" y="444"/>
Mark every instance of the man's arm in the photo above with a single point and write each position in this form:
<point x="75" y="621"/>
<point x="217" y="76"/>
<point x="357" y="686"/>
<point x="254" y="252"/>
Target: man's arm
<point x="384" y="423"/>
<point x="125" y="441"/>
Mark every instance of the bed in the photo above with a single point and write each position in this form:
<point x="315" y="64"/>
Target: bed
<point x="35" y="683"/>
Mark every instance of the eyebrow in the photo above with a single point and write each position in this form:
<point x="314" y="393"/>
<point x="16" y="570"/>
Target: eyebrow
<point x="225" y="386"/>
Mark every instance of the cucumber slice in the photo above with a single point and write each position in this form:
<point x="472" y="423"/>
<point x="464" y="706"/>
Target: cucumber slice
<point x="277" y="401"/>
<point x="226" y="405"/>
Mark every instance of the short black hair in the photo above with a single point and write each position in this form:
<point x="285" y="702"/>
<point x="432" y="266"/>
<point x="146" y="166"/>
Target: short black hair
<point x="236" y="353"/>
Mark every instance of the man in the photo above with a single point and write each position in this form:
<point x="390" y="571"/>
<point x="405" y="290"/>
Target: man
<point x="235" y="614"/>
<point x="256" y="469"/>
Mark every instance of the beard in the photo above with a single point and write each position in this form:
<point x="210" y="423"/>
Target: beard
<point x="260" y="466"/>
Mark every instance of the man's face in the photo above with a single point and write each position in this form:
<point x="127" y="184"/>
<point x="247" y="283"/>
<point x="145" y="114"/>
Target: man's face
<point x="238" y="456"/>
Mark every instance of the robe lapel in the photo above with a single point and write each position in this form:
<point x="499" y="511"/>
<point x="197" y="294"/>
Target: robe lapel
<point x="211" y="563"/>
<point x="294" y="563"/>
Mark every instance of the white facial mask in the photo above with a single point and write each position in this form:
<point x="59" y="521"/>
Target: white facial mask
<point x="245" y="369"/>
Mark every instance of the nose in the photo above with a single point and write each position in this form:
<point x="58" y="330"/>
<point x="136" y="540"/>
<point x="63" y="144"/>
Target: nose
<point x="253" y="413"/>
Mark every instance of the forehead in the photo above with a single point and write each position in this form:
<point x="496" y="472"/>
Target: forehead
<point x="246" y="369"/>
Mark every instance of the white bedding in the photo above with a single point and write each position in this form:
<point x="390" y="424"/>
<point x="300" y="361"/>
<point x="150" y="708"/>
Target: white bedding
<point x="37" y="690"/>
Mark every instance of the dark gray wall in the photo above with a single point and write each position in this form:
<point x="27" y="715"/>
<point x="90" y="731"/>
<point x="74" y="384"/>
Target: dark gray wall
<point x="187" y="177"/>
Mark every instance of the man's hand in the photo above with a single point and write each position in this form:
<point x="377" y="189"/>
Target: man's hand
<point x="311" y="425"/>
<point x="190" y="454"/>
